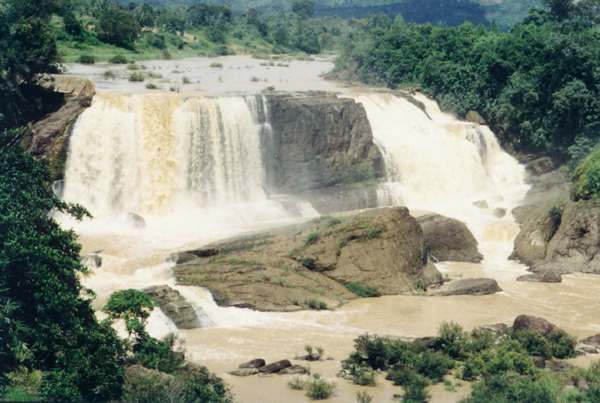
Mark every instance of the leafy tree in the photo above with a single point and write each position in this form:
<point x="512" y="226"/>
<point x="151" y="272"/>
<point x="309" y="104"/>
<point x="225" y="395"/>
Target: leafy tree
<point x="72" y="25"/>
<point x="118" y="27"/>
<point x="303" y="8"/>
<point x="39" y="267"/>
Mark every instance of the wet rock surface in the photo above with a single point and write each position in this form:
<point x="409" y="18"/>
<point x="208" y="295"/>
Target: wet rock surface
<point x="541" y="277"/>
<point x="307" y="266"/>
<point x="470" y="286"/>
<point x="448" y="239"/>
<point x="318" y="141"/>
<point x="172" y="304"/>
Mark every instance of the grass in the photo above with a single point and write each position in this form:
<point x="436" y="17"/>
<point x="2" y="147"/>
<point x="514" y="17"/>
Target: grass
<point x="318" y="388"/>
<point x="311" y="239"/>
<point x="137" y="77"/>
<point x="316" y="304"/>
<point x="216" y="65"/>
<point x="297" y="383"/>
<point x="363" y="290"/>
<point x="151" y="86"/>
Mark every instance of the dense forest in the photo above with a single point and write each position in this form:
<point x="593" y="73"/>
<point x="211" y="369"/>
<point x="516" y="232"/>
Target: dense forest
<point x="537" y="85"/>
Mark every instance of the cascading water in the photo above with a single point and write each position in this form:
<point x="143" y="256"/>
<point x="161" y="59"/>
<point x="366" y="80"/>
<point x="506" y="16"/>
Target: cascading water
<point x="437" y="163"/>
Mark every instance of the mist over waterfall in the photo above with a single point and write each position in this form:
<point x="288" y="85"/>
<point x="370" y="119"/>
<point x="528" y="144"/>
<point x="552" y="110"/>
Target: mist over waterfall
<point x="437" y="163"/>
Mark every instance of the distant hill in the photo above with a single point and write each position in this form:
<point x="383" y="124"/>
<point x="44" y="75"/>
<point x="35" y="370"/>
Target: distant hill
<point x="505" y="13"/>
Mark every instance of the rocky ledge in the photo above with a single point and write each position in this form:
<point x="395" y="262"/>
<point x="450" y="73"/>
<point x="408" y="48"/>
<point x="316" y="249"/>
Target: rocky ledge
<point x="447" y="239"/>
<point x="318" y="140"/>
<point x="316" y="265"/>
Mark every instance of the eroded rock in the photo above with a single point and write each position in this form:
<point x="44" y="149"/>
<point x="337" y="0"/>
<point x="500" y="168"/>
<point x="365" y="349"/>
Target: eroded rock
<point x="542" y="277"/>
<point x="534" y="324"/>
<point x="447" y="239"/>
<point x="172" y="304"/>
<point x="306" y="266"/>
<point x="275" y="367"/>
<point x="470" y="286"/>
<point x="256" y="363"/>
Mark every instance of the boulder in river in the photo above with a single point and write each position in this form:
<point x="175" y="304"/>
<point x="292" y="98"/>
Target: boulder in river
<point x="448" y="239"/>
<point x="315" y="265"/>
<point x="529" y="323"/>
<point x="256" y="363"/>
<point x="542" y="277"/>
<point x="275" y="367"/>
<point x="469" y="286"/>
<point x="294" y="370"/>
<point x="242" y="372"/>
<point x="172" y="304"/>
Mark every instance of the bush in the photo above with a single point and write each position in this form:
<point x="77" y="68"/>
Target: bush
<point x="216" y="65"/>
<point x="186" y="80"/>
<point x="362" y="290"/>
<point x="556" y="344"/>
<point x="157" y="354"/>
<point x="297" y="383"/>
<point x="364" y="377"/>
<point x="118" y="59"/>
<point x="151" y="86"/>
<point x="157" y="41"/>
<point x="316" y="304"/>
<point x="433" y="365"/>
<point x="311" y="239"/>
<point x="136" y="77"/>
<point x="452" y="340"/>
<point x="318" y="388"/>
<point x="117" y="27"/>
<point x="363" y="397"/>
<point x="413" y="383"/>
<point x="586" y="179"/>
<point x="109" y="75"/>
<point x="514" y="388"/>
<point x="87" y="59"/>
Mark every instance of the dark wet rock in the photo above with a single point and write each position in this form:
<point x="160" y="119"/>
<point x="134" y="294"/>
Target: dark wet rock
<point x="318" y="141"/>
<point x="244" y="372"/>
<point x="172" y="304"/>
<point x="500" y="212"/>
<point x="275" y="367"/>
<point x="136" y="220"/>
<point x="256" y="363"/>
<point x="470" y="286"/>
<point x="540" y="166"/>
<point x="542" y="277"/>
<point x="294" y="370"/>
<point x="529" y="323"/>
<point x="447" y="239"/>
<point x="92" y="261"/>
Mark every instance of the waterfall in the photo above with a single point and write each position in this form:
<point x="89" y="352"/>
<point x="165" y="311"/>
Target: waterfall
<point x="151" y="153"/>
<point x="435" y="162"/>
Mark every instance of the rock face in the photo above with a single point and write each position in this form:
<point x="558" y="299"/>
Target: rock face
<point x="528" y="323"/>
<point x="561" y="240"/>
<point x="541" y="277"/>
<point x="318" y="141"/>
<point x="49" y="137"/>
<point x="172" y="303"/>
<point x="469" y="286"/>
<point x="448" y="239"/>
<point x="291" y="268"/>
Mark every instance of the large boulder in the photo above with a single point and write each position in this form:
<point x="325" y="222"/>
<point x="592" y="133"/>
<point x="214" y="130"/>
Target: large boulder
<point x="448" y="239"/>
<point x="541" y="277"/>
<point x="317" y="141"/>
<point x="469" y="286"/>
<point x="172" y="304"/>
<point x="303" y="266"/>
<point x="275" y="367"/>
<point x="535" y="324"/>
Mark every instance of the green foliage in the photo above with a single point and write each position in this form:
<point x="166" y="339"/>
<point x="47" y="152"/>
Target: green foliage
<point x="363" y="290"/>
<point x="586" y="179"/>
<point x="536" y="85"/>
<point x="87" y="59"/>
<point x="296" y="384"/>
<point x="137" y="77"/>
<point x="452" y="340"/>
<point x="49" y="326"/>
<point x="118" y="59"/>
<point x="557" y="344"/>
<point x="318" y="388"/>
<point x="511" y="387"/>
<point x="311" y="239"/>
<point x="363" y="397"/>
<point x="129" y="304"/>
<point x="316" y="304"/>
<point x="118" y="27"/>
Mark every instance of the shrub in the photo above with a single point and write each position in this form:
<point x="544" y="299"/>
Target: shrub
<point x="508" y="357"/>
<point x="413" y="383"/>
<point x="316" y="304"/>
<point x="511" y="387"/>
<point x="586" y="179"/>
<point x="216" y="65"/>
<point x="152" y="74"/>
<point x="363" y="397"/>
<point x="362" y="290"/>
<point x="318" y="388"/>
<point x="109" y="75"/>
<point x="557" y="343"/>
<point x="311" y="239"/>
<point x="133" y="66"/>
<point x="136" y="77"/>
<point x="364" y="377"/>
<point x="118" y="59"/>
<point x="87" y="59"/>
<point x="157" y="354"/>
<point x="151" y="86"/>
<point x="157" y="41"/>
<point x="314" y="353"/>
<point x="452" y="340"/>
<point x="297" y="383"/>
<point x="433" y="365"/>
<point x="186" y="80"/>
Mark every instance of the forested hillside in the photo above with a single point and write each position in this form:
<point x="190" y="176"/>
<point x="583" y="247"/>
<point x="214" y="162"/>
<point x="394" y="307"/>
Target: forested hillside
<point x="537" y="84"/>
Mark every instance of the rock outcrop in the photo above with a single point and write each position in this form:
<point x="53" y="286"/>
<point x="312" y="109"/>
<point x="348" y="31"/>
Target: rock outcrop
<point x="541" y="277"/>
<point x="447" y="239"/>
<point x="172" y="304"/>
<point x="49" y="137"/>
<point x="308" y="265"/>
<point x="529" y="323"/>
<point x="318" y="141"/>
<point x="469" y="286"/>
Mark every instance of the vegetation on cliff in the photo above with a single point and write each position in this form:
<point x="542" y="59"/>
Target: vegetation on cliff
<point x="537" y="85"/>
